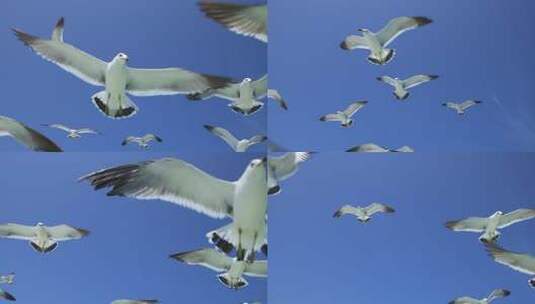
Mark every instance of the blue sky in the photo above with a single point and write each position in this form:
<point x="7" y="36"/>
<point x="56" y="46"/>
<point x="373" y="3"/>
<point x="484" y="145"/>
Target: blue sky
<point x="406" y="257"/>
<point x="126" y="254"/>
<point x="154" y="35"/>
<point x="480" y="49"/>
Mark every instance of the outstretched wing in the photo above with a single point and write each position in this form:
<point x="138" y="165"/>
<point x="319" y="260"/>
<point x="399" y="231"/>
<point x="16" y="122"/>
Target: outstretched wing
<point x="16" y="231"/>
<point x="260" y="87"/>
<point x="59" y="126"/>
<point x="224" y="134"/>
<point x="353" y="42"/>
<point x="516" y="216"/>
<point x="465" y="300"/>
<point x="388" y="80"/>
<point x="520" y="262"/>
<point x="498" y="293"/>
<point x="378" y="207"/>
<point x="256" y="269"/>
<point x="26" y="135"/>
<point x="87" y="131"/>
<point x="331" y="117"/>
<point x="354" y="108"/>
<point x="257" y="139"/>
<point x="346" y="209"/>
<point x="66" y="232"/>
<point x="471" y="224"/>
<point x="398" y="26"/>
<point x="208" y="257"/>
<point x="417" y="80"/>
<point x="6" y="295"/>
<point x="285" y="166"/>
<point x="469" y="103"/>
<point x="276" y="96"/>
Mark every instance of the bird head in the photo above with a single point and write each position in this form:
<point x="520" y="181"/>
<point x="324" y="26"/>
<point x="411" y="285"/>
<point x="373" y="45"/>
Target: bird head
<point x="122" y="57"/>
<point x="532" y="283"/>
<point x="40" y="224"/>
<point x="246" y="81"/>
<point x="363" y="30"/>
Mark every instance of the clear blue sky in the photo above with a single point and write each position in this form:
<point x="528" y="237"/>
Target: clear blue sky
<point x="154" y="35"/>
<point x="406" y="257"/>
<point x="480" y="49"/>
<point x="126" y="254"/>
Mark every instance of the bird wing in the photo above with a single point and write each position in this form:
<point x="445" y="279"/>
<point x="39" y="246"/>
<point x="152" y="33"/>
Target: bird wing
<point x="471" y="224"/>
<point x="16" y="231"/>
<point x="378" y="207"/>
<point x="171" y="180"/>
<point x="467" y="104"/>
<point x="256" y="269"/>
<point x="6" y="295"/>
<point x="276" y="96"/>
<point x="518" y="261"/>
<point x="257" y="139"/>
<point x="247" y="20"/>
<point x="417" y="80"/>
<point x="398" y="26"/>
<point x="353" y="42"/>
<point x="224" y="134"/>
<point x="406" y="149"/>
<point x="149" y="137"/>
<point x="260" y="87"/>
<point x="367" y="148"/>
<point x="59" y="126"/>
<point x="498" y="293"/>
<point x="354" y="108"/>
<point x="452" y="105"/>
<point x="208" y="257"/>
<point x="346" y="209"/>
<point x="284" y="166"/>
<point x="388" y="80"/>
<point x="331" y="117"/>
<point x="87" y="131"/>
<point x="83" y="65"/>
<point x="26" y="135"/>
<point x="66" y="232"/>
<point x="516" y="216"/>
<point x="465" y="300"/>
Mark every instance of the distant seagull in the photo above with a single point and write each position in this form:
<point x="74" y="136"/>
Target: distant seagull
<point x="461" y="107"/>
<point x="135" y="302"/>
<point x="42" y="238"/>
<point x="496" y="294"/>
<point x="143" y="141"/>
<point x="247" y="20"/>
<point x="276" y="96"/>
<point x="117" y="78"/>
<point x="344" y="117"/>
<point x="283" y="167"/>
<point x="371" y="147"/>
<point x="7" y="278"/>
<point x="245" y="96"/>
<point x="238" y="145"/>
<point x="489" y="225"/>
<point x="73" y="133"/>
<point x="364" y="214"/>
<point x="521" y="262"/>
<point x="377" y="43"/>
<point x="219" y="262"/>
<point x="6" y="295"/>
<point x="176" y="181"/>
<point x="401" y="86"/>
<point x="27" y="136"/>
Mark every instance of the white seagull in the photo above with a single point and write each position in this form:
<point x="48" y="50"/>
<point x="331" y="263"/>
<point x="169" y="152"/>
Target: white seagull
<point x="520" y="262"/>
<point x="496" y="294"/>
<point x="247" y="20"/>
<point x="245" y="96"/>
<point x="231" y="271"/>
<point x="7" y="278"/>
<point x="401" y="86"/>
<point x="364" y="214"/>
<point x="73" y="133"/>
<point x="176" y="181"/>
<point x="42" y="238"/>
<point x="238" y="145"/>
<point x="283" y="167"/>
<point x="344" y="117"/>
<point x="489" y="225"/>
<point x="460" y="108"/>
<point x="371" y="147"/>
<point x="117" y="78"/>
<point x="27" y="136"/>
<point x="6" y="295"/>
<point x="124" y="301"/>
<point x="142" y="141"/>
<point x="377" y="43"/>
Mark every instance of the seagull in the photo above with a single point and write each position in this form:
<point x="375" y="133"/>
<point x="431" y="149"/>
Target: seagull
<point x="496" y="294"/>
<point x="73" y="133"/>
<point x="377" y="43"/>
<point x="520" y="262"/>
<point x="238" y="145"/>
<point x="231" y="271"/>
<point x="27" y="136"/>
<point x="490" y="225"/>
<point x="247" y="20"/>
<point x="276" y="96"/>
<point x="142" y="141"/>
<point x="363" y="214"/>
<point x="42" y="238"/>
<point x="344" y="117"/>
<point x="8" y="278"/>
<point x="176" y="181"/>
<point x="245" y="96"/>
<point x="402" y="85"/>
<point x="116" y="76"/>
<point x="283" y="167"/>
<point x="6" y="295"/>
<point x="461" y="107"/>
<point x="123" y="301"/>
<point x="371" y="147"/>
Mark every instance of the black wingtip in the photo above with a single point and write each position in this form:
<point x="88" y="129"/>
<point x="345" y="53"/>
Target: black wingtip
<point x="60" y="23"/>
<point x="26" y="38"/>
<point x="323" y="118"/>
<point x="433" y="77"/>
<point x="158" y="139"/>
<point x="344" y="46"/>
<point x="337" y="214"/>
<point x="9" y="296"/>
<point x="352" y="149"/>
<point x="421" y="20"/>
<point x="506" y="292"/>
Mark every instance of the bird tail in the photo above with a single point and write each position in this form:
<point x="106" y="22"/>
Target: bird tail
<point x="226" y="280"/>
<point x="114" y="106"/>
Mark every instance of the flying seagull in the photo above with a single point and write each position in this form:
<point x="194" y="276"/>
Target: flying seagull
<point x="489" y="225"/>
<point x="371" y="147"/>
<point x="245" y="96"/>
<point x="142" y="141"/>
<point x="521" y="262"/>
<point x="496" y="294"/>
<point x="377" y="43"/>
<point x="276" y="96"/>
<point x="247" y="20"/>
<point x="73" y="133"/>
<point x="7" y="278"/>
<point x="6" y="295"/>
<point x="123" y="301"/>
<point x="117" y="78"/>
<point x="238" y="145"/>
<point x="231" y="271"/>
<point x="460" y="108"/>
<point x="364" y="214"/>
<point x="42" y="238"/>
<point x="27" y="136"/>
<point x="401" y="86"/>
<point x="344" y="117"/>
<point x="283" y="167"/>
<point x="176" y="181"/>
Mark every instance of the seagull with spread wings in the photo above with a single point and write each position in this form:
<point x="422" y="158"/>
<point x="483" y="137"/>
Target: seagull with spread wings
<point x="231" y="271"/>
<point x="344" y="117"/>
<point x="496" y="294"/>
<point x="283" y="167"/>
<point x="378" y="42"/>
<point x="238" y="145"/>
<point x="73" y="133"/>
<point x="142" y="141"/>
<point x="520" y="262"/>
<point x="374" y="148"/>
<point x="401" y="86"/>
<point x="363" y="214"/>
<point x="116" y="76"/>
<point x="27" y="136"/>
<point x="460" y="108"/>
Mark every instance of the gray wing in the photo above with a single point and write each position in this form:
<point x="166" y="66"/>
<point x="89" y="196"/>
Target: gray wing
<point x="367" y="148"/>
<point x="276" y="96"/>
<point x="26" y="136"/>
<point x="417" y="80"/>
<point x="405" y="149"/>
<point x="17" y="232"/>
<point x="331" y="117"/>
<point x="452" y="105"/>
<point x="248" y="20"/>
<point x="388" y="80"/>
<point x="224" y="135"/>
<point x="498" y="293"/>
<point x="87" y="131"/>
<point x="84" y="66"/>
<point x="66" y="232"/>
<point x="260" y="87"/>
<point x="471" y="224"/>
<point x="60" y="127"/>
<point x="520" y="262"/>
<point x="171" y="180"/>
<point x="469" y="103"/>
<point x="6" y="295"/>
<point x="346" y="209"/>
<point x="465" y="300"/>
<point x="256" y="269"/>
<point x="208" y="257"/>
<point x="398" y="26"/>
<point x="285" y="166"/>
<point x="150" y="137"/>
<point x="378" y="207"/>
<point x="516" y="216"/>
<point x="353" y="42"/>
<point x="257" y="139"/>
<point x="354" y="108"/>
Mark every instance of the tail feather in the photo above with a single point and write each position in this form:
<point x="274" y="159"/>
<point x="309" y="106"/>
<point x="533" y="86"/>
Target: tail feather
<point x="114" y="108"/>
